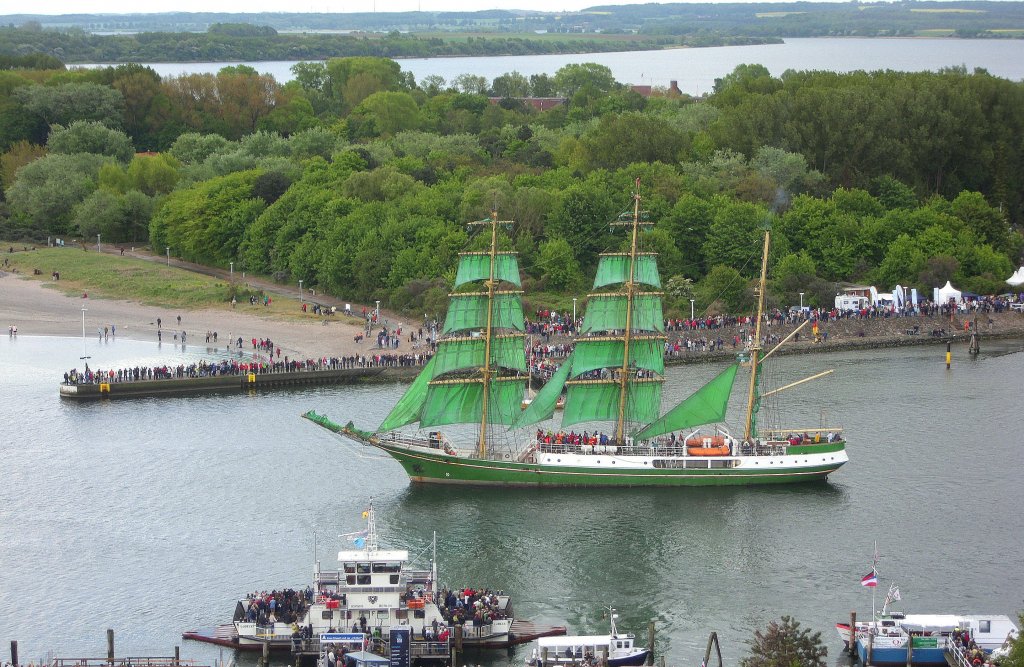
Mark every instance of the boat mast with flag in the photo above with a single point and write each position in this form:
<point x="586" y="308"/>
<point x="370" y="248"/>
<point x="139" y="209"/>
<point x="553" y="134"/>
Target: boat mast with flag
<point x="613" y="384"/>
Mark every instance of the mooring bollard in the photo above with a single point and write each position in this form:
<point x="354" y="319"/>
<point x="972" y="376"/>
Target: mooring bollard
<point x="852" y="647"/>
<point x="14" y="652"/>
<point x="110" y="645"/>
<point x="650" y="643"/>
<point x="949" y="353"/>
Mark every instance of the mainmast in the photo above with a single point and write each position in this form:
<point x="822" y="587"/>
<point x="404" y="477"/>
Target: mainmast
<point x="620" y="424"/>
<point x="755" y="348"/>
<point x="485" y="371"/>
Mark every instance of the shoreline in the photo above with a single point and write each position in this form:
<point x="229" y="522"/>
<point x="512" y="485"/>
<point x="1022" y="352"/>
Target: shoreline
<point x="38" y="310"/>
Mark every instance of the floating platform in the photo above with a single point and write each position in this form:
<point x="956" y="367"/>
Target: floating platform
<point x="233" y="383"/>
<point x="521" y="632"/>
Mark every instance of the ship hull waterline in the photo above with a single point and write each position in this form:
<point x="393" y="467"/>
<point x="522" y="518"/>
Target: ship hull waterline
<point x="430" y="468"/>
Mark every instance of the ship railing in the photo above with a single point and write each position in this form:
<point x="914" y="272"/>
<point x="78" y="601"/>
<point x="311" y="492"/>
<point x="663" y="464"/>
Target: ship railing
<point x="958" y="653"/>
<point x="123" y="662"/>
<point x="431" y="649"/>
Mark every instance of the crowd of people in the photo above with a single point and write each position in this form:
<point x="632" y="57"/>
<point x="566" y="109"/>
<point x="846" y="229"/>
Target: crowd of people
<point x="278" y="606"/>
<point x="479" y="606"/>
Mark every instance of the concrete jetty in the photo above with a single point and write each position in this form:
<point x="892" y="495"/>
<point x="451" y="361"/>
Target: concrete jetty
<point x="235" y="383"/>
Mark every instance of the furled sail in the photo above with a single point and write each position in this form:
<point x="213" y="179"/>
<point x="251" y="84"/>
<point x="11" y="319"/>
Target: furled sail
<point x="477" y="266"/>
<point x="705" y="406"/>
<point x="613" y="268"/>
<point x="407" y="410"/>
<point x="598" y="400"/>
<point x="543" y="404"/>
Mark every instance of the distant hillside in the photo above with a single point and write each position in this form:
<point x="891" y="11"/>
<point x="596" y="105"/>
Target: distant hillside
<point x="796" y="19"/>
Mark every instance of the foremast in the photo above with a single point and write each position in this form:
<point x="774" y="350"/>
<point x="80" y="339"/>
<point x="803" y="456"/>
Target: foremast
<point x="477" y="374"/>
<point x="755" y="347"/>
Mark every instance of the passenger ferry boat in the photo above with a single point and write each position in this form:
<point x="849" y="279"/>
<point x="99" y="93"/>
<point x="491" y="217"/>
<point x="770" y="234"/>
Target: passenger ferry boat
<point x="372" y="590"/>
<point x="928" y="637"/>
<point x="617" y="649"/>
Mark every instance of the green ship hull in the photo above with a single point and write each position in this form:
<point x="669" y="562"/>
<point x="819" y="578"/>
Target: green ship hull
<point x="439" y="468"/>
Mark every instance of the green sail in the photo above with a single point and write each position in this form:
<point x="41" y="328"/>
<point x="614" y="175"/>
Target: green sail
<point x="460" y="403"/>
<point x="648" y="354"/>
<point x="608" y="313"/>
<point x="543" y="404"/>
<point x="452" y="355"/>
<point x="474" y="267"/>
<point x="707" y="405"/>
<point x="468" y="312"/>
<point x="600" y="402"/>
<point x="407" y="410"/>
<point x="613" y="269"/>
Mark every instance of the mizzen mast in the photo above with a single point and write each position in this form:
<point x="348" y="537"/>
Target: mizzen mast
<point x="755" y="348"/>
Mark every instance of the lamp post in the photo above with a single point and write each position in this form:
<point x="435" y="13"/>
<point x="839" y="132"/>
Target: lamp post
<point x="574" y="311"/>
<point x="376" y="313"/>
<point x="300" y="290"/>
<point x="168" y="255"/>
<point x="232" y="271"/>
<point x="84" y="349"/>
<point x="691" y="308"/>
<point x="99" y="248"/>
<point x="801" y="301"/>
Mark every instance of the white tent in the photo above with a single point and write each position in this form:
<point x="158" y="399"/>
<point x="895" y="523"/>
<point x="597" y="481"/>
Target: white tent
<point x="946" y="292"/>
<point x="1017" y="278"/>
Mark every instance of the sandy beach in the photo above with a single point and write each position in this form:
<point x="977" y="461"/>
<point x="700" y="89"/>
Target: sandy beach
<point x="37" y="309"/>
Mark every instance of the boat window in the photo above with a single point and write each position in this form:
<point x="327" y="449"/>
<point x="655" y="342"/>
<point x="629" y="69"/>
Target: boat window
<point x="363" y="580"/>
<point x="363" y="568"/>
<point x="985" y="626"/>
<point x="350" y="580"/>
<point x="418" y="613"/>
<point x="394" y="578"/>
<point x="697" y="464"/>
<point x="350" y="567"/>
<point x="401" y="614"/>
<point x="386" y="567"/>
<point x="382" y="614"/>
<point x="326" y="615"/>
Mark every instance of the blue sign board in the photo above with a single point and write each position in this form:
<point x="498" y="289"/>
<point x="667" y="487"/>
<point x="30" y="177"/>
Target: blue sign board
<point x="342" y="638"/>
<point x="400" y="650"/>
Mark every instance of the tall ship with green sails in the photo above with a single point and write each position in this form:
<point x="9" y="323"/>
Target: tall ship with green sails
<point x="612" y="380"/>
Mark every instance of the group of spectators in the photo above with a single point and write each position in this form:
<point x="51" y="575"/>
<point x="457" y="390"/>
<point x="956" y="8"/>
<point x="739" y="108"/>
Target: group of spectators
<point x="480" y="606"/>
<point x="283" y="606"/>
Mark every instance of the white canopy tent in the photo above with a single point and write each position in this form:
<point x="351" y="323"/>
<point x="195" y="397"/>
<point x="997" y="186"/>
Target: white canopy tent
<point x="946" y="292"/>
<point x="1017" y="278"/>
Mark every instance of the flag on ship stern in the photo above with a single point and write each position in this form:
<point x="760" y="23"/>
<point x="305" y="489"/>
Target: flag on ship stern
<point x="870" y="580"/>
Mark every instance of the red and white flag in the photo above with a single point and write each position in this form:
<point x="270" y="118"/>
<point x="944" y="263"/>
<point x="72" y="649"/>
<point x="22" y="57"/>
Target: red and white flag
<point x="870" y="580"/>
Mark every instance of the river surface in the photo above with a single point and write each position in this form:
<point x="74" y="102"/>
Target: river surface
<point x="697" y="69"/>
<point x="152" y="516"/>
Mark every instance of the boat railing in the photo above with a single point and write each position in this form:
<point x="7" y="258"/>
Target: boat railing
<point x="958" y="653"/>
<point x="123" y="662"/>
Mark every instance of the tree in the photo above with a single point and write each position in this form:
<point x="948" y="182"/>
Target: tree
<point x="194" y="148"/>
<point x="558" y="266"/>
<point x="512" y="84"/>
<point x="725" y="287"/>
<point x="571" y="78"/>
<point x="87" y="136"/>
<point x="1015" y="658"/>
<point x="47" y="190"/>
<point x="621" y="139"/>
<point x="387" y="113"/>
<point x="64" y="104"/>
<point x="734" y="237"/>
<point x="16" y="157"/>
<point x="785" y="644"/>
<point x="470" y="84"/>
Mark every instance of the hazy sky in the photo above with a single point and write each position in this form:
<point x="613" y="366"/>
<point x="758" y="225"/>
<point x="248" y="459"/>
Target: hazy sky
<point x="132" y="6"/>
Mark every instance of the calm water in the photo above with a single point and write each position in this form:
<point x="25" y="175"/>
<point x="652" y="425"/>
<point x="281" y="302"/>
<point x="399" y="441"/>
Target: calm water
<point x="697" y="69"/>
<point x="152" y="516"/>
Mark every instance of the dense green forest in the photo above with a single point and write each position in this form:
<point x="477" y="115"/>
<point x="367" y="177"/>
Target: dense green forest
<point x="358" y="179"/>
<point x="976" y="18"/>
<point x="222" y="43"/>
